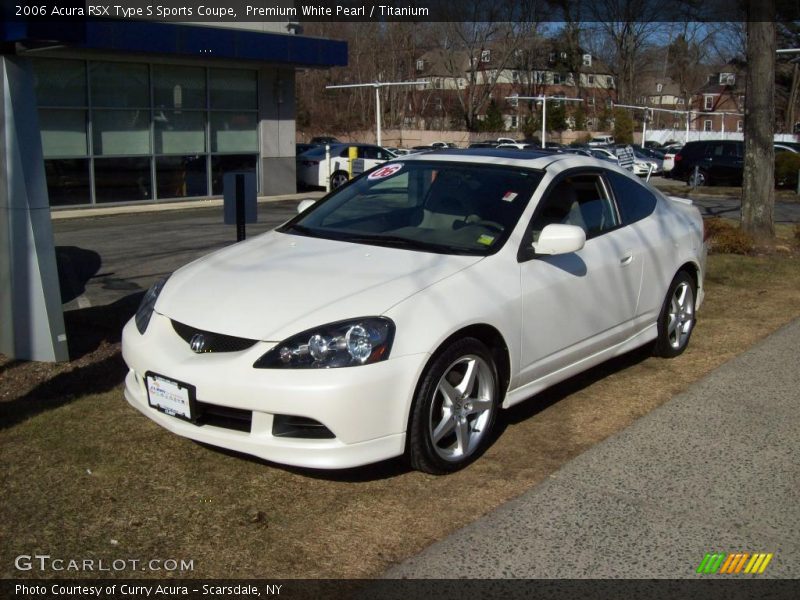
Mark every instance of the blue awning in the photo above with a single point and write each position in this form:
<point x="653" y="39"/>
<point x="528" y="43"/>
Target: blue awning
<point x="179" y="40"/>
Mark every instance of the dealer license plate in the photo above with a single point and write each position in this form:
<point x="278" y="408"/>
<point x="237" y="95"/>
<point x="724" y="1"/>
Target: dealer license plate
<point x="169" y="396"/>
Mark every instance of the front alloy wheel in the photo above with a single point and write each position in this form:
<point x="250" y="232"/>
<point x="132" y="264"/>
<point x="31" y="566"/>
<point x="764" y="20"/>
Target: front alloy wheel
<point x="677" y="318"/>
<point x="454" y="409"/>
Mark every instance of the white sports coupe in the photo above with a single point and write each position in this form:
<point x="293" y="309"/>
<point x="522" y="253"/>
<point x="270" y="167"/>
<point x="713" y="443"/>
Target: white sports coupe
<point x="399" y="314"/>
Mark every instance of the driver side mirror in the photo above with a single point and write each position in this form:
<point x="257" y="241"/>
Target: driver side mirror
<point x="304" y="204"/>
<point x="560" y="239"/>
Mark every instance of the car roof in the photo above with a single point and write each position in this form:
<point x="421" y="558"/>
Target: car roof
<point x="532" y="159"/>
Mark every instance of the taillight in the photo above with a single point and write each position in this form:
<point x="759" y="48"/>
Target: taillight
<point x="678" y="157"/>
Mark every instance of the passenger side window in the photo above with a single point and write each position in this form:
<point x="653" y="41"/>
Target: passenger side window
<point x="580" y="200"/>
<point x="731" y="151"/>
<point x="369" y="152"/>
<point x="635" y="201"/>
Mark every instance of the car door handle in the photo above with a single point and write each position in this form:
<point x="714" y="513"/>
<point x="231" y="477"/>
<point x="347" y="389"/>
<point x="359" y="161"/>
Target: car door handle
<point x="626" y="260"/>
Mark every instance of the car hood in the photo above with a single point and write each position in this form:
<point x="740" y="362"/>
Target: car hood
<point x="277" y="285"/>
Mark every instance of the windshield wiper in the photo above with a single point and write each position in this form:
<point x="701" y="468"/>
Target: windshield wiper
<point x="394" y="241"/>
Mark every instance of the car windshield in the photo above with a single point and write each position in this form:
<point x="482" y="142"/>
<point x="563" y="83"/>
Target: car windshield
<point x="444" y="207"/>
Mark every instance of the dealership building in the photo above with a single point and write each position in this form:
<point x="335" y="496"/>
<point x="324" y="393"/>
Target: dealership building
<point x="141" y="111"/>
<point x="100" y="112"/>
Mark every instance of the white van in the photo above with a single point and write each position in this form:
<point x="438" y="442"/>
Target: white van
<point x="602" y="140"/>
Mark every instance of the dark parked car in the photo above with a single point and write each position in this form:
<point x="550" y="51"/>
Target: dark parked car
<point x="717" y="161"/>
<point x="299" y="148"/>
<point x="325" y="139"/>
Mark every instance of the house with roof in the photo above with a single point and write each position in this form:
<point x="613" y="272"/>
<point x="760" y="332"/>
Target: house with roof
<point x="541" y="67"/>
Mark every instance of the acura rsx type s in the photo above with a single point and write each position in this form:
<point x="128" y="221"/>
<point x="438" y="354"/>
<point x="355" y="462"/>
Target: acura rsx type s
<point x="401" y="312"/>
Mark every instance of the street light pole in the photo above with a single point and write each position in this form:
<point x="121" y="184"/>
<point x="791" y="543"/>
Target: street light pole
<point x="543" y="99"/>
<point x="377" y="85"/>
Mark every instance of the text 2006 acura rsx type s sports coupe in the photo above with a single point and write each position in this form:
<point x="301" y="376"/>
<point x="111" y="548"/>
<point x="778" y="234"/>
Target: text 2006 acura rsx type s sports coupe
<point x="401" y="312"/>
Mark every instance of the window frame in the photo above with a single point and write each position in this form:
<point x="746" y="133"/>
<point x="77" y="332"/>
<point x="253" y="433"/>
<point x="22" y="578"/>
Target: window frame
<point x="525" y="251"/>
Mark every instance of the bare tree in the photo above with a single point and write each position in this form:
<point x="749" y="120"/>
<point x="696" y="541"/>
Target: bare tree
<point x="758" y="187"/>
<point x="623" y="29"/>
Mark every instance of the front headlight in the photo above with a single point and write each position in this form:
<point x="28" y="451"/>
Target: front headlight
<point x="343" y="344"/>
<point x="145" y="310"/>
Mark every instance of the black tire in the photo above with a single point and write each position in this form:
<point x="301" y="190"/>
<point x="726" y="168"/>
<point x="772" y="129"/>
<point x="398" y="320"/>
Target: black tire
<point x="465" y="421"/>
<point x="338" y="179"/>
<point x="677" y="318"/>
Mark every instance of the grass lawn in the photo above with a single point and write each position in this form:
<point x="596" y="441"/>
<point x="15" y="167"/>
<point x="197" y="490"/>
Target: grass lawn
<point x="87" y="476"/>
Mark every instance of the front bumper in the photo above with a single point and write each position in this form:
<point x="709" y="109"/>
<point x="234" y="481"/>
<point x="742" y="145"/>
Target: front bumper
<point x="366" y="408"/>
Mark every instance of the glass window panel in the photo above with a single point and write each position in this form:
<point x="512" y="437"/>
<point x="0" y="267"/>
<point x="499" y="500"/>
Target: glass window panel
<point x="232" y="162"/>
<point x="121" y="131"/>
<point x="119" y="85"/>
<point x="68" y="181"/>
<point x="179" y="87"/>
<point x="60" y="82"/>
<point x="181" y="176"/>
<point x="233" y="89"/>
<point x="234" y="132"/>
<point x="63" y="132"/>
<point x="179" y="132"/>
<point x="122" y="179"/>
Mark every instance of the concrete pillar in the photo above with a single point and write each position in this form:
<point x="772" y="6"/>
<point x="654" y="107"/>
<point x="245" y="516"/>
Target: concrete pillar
<point x="31" y="316"/>
<point x="276" y="112"/>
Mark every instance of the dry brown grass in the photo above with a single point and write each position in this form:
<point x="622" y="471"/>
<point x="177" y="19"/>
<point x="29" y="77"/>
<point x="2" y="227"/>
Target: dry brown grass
<point x="94" y="470"/>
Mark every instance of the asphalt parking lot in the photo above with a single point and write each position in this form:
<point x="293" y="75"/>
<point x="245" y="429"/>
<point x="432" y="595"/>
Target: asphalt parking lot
<point x="104" y="258"/>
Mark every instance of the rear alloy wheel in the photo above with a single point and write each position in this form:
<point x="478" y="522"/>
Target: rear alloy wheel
<point x="454" y="409"/>
<point x="677" y="319"/>
<point x="338" y="179"/>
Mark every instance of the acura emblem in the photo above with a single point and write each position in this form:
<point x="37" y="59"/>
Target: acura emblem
<point x="198" y="343"/>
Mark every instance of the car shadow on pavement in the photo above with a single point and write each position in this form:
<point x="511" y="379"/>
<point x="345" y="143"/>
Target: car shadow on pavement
<point x="88" y="328"/>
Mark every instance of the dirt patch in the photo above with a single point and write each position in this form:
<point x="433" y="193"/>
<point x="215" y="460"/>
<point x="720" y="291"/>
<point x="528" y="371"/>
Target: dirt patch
<point x="90" y="477"/>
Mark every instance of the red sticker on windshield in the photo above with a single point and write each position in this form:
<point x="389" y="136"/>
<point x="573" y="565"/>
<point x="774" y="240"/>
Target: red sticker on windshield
<point x="385" y="171"/>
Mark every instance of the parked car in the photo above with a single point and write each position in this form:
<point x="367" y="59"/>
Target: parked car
<point x="602" y="140"/>
<point x="787" y="147"/>
<point x="717" y="161"/>
<point x="443" y="145"/>
<point x="300" y="148"/>
<point x="646" y="162"/>
<point x="313" y="169"/>
<point x="654" y="153"/>
<point x="402" y="312"/>
<point x="325" y="139"/>
<point x="518" y="145"/>
<point x="603" y="154"/>
<point x="576" y="150"/>
<point x="491" y="144"/>
<point x="668" y="162"/>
